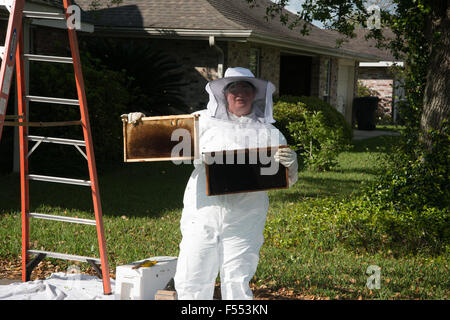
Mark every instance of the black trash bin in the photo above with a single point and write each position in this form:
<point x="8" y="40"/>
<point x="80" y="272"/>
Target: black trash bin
<point x="365" y="112"/>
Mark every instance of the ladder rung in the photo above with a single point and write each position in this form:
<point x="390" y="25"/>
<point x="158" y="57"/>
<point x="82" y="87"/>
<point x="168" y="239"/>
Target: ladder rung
<point x="42" y="124"/>
<point x="57" y="140"/>
<point x="53" y="100"/>
<point x="35" y="57"/>
<point x="62" y="218"/>
<point x="44" y="15"/>
<point x="35" y="177"/>
<point x="15" y="117"/>
<point x="64" y="256"/>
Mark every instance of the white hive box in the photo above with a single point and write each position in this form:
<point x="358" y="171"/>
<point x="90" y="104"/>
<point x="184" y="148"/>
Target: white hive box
<point x="144" y="282"/>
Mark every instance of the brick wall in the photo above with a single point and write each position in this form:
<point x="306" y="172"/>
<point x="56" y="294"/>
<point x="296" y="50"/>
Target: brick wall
<point x="333" y="81"/>
<point x="50" y="41"/>
<point x="197" y="59"/>
<point x="320" y="80"/>
<point x="45" y="40"/>
<point x="239" y="56"/>
<point x="199" y="62"/>
<point x="384" y="90"/>
<point x="380" y="80"/>
<point x="239" y="53"/>
<point x="368" y="73"/>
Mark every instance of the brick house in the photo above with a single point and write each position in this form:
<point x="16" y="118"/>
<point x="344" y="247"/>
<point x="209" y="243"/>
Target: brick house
<point x="207" y="36"/>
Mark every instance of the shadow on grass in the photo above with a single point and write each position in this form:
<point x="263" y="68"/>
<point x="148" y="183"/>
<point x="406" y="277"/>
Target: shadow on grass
<point x="131" y="189"/>
<point x="370" y="171"/>
<point x="153" y="188"/>
<point x="384" y="144"/>
<point x="323" y="186"/>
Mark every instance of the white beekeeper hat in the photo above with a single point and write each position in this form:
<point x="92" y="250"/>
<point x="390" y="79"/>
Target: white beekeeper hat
<point x="262" y="105"/>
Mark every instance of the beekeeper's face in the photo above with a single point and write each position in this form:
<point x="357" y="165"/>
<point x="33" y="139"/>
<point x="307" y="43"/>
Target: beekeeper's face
<point x="240" y="97"/>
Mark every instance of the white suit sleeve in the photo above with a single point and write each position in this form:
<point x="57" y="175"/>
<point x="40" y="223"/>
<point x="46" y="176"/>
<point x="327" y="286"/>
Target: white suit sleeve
<point x="293" y="173"/>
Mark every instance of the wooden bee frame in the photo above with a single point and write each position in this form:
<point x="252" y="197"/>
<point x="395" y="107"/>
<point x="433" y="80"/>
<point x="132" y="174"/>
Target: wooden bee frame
<point x="151" y="138"/>
<point x="237" y="178"/>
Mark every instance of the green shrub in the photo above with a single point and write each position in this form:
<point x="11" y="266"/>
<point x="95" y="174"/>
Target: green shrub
<point x="364" y="91"/>
<point x="332" y="118"/>
<point x="107" y="99"/>
<point x="369" y="223"/>
<point x="315" y="128"/>
<point x="407" y="208"/>
<point x="363" y="223"/>
<point x="155" y="79"/>
<point x="286" y="113"/>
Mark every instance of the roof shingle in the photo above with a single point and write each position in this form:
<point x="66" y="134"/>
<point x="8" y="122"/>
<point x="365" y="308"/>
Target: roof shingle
<point x="235" y="15"/>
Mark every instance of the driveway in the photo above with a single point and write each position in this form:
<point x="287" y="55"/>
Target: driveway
<point x="365" y="134"/>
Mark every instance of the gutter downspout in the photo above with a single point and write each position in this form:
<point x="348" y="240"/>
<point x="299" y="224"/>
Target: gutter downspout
<point x="212" y="44"/>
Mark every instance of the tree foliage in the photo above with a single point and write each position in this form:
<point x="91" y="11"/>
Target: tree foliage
<point x="107" y="97"/>
<point x="421" y="29"/>
<point x="410" y="201"/>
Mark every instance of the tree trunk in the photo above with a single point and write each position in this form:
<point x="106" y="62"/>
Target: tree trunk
<point x="436" y="102"/>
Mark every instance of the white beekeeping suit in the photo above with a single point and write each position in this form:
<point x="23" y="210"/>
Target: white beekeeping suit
<point x="225" y="233"/>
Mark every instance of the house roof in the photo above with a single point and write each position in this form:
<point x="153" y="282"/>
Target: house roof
<point x="53" y="3"/>
<point x="361" y="44"/>
<point x="223" y="19"/>
<point x="55" y="6"/>
<point x="59" y="4"/>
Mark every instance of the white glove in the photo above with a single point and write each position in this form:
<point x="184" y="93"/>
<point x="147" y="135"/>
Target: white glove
<point x="288" y="158"/>
<point x="133" y="117"/>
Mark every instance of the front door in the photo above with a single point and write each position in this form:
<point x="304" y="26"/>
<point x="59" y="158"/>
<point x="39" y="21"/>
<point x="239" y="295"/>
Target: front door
<point x="295" y="75"/>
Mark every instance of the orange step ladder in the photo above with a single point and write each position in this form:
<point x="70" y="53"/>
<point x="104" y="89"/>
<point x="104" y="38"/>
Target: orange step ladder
<point x="12" y="55"/>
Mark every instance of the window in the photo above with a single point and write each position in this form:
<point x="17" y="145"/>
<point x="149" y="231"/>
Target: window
<point x="255" y="56"/>
<point x="326" y="76"/>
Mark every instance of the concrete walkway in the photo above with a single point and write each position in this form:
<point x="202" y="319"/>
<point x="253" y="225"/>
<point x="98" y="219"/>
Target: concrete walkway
<point x="363" y="134"/>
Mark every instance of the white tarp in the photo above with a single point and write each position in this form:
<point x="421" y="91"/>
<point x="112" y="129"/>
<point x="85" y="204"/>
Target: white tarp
<point x="59" y="286"/>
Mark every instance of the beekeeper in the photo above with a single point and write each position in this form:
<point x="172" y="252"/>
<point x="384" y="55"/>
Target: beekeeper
<point x="224" y="233"/>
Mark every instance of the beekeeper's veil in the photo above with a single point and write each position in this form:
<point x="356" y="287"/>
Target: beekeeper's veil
<point x="262" y="104"/>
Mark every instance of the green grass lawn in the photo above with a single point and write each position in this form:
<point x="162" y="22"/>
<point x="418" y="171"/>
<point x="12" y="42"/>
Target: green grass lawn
<point x="142" y="205"/>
